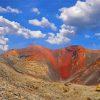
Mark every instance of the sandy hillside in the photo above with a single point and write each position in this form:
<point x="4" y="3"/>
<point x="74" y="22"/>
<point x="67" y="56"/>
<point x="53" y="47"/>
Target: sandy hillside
<point x="28" y="80"/>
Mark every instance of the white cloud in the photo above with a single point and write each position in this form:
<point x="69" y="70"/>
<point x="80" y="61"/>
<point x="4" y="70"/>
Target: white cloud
<point x="57" y="39"/>
<point x="62" y="36"/>
<point x="12" y="27"/>
<point x="43" y="23"/>
<point x="8" y="9"/>
<point x="87" y="36"/>
<point x="3" y="40"/>
<point x="67" y="30"/>
<point x="97" y="34"/>
<point x="3" y="43"/>
<point x="82" y="14"/>
<point x="36" y="10"/>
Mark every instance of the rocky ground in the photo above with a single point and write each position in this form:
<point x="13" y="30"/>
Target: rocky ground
<point x="29" y="80"/>
<point x="39" y="90"/>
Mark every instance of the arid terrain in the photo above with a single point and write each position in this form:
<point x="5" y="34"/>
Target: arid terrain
<point x="37" y="73"/>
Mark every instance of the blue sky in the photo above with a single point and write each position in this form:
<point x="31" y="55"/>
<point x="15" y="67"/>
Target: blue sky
<point x="53" y="24"/>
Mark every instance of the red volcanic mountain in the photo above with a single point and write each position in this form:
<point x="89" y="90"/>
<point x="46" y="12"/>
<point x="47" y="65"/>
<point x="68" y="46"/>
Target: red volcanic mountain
<point x="74" y="63"/>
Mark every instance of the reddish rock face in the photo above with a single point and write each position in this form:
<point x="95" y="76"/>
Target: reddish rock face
<point x="62" y="63"/>
<point x="72" y="60"/>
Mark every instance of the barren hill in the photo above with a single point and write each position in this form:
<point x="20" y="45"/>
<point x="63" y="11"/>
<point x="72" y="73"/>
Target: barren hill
<point x="63" y="63"/>
<point x="37" y="73"/>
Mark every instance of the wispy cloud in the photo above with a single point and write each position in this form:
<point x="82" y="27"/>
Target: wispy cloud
<point x="8" y="9"/>
<point x="3" y="43"/>
<point x="36" y="11"/>
<point x="43" y="23"/>
<point x="97" y="34"/>
<point x="87" y="36"/>
<point x="62" y="36"/>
